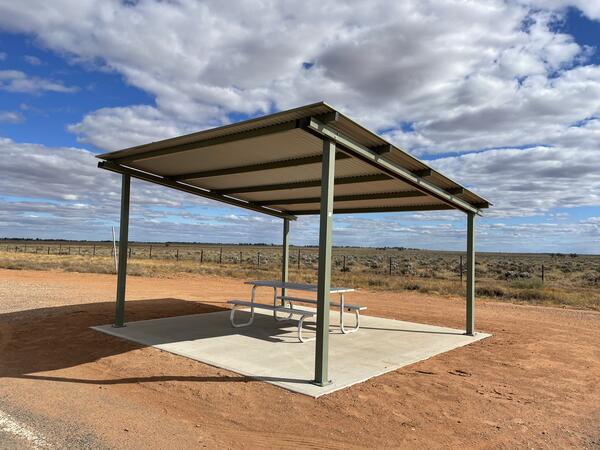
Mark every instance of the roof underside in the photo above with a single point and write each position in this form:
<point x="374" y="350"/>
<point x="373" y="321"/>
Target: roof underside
<point x="273" y="165"/>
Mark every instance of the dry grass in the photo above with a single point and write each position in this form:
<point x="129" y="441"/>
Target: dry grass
<point x="569" y="281"/>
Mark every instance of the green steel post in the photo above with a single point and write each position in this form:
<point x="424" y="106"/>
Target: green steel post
<point x="324" y="274"/>
<point x="470" y="274"/>
<point x="123" y="238"/>
<point x="285" y="252"/>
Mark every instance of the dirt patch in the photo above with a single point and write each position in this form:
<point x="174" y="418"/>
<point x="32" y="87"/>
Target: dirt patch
<point x="534" y="383"/>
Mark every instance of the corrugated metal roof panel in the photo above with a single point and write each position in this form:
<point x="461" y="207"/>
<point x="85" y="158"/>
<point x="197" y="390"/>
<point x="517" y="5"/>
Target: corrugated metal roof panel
<point x="243" y="148"/>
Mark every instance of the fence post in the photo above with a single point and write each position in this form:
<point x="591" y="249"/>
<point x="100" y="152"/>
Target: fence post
<point x="177" y="254"/>
<point x="48" y="250"/>
<point x="221" y="256"/>
<point x="94" y="250"/>
<point x="201" y="256"/>
<point x="129" y="252"/>
<point x="298" y="259"/>
<point x="69" y="249"/>
<point x="390" y="266"/>
<point x="258" y="260"/>
<point x="542" y="273"/>
<point x="150" y="255"/>
<point x="241" y="258"/>
<point x="461" y="269"/>
<point x="344" y="267"/>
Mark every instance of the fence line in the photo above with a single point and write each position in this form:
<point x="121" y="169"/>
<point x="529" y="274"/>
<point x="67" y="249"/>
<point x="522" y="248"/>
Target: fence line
<point x="220" y="256"/>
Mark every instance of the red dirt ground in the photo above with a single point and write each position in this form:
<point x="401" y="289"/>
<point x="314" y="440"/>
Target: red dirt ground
<point x="533" y="384"/>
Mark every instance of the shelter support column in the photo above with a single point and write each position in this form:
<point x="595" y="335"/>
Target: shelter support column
<point x="470" y="326"/>
<point x="285" y="254"/>
<point x="123" y="241"/>
<point x="324" y="272"/>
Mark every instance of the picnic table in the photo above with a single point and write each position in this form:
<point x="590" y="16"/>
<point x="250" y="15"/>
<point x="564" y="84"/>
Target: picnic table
<point x="284" y="304"/>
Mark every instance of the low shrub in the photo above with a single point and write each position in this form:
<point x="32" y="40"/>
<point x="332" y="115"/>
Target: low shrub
<point x="411" y="286"/>
<point x="532" y="283"/>
<point x="533" y="295"/>
<point x="490" y="291"/>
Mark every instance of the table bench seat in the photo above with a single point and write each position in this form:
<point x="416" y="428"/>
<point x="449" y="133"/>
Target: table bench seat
<point x="356" y="309"/>
<point x="236" y="304"/>
<point x="314" y="302"/>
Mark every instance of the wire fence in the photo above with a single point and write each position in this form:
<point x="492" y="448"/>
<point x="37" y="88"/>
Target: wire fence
<point x="392" y="262"/>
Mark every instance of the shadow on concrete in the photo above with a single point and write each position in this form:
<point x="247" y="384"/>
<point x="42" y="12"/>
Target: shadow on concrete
<point x="55" y="338"/>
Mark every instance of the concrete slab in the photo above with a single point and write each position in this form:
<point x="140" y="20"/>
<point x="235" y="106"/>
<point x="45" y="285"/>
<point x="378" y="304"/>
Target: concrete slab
<point x="270" y="351"/>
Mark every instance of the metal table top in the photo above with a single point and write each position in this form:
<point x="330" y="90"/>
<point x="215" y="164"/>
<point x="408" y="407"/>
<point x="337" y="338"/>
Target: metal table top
<point x="296" y="286"/>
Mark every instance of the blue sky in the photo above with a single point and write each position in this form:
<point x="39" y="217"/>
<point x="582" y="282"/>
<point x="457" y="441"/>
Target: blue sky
<point x="503" y="96"/>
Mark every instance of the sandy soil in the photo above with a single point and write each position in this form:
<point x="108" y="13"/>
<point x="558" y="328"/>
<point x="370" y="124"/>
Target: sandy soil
<point x="533" y="384"/>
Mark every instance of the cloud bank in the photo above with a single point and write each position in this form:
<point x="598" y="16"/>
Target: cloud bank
<point x="492" y="91"/>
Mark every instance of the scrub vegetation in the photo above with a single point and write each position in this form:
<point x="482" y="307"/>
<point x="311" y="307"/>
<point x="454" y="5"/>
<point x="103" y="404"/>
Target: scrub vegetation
<point x="551" y="279"/>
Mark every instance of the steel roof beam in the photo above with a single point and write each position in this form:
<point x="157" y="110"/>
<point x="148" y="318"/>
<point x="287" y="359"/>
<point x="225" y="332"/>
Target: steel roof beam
<point x="372" y="158"/>
<point x="307" y="160"/>
<point x="342" y="198"/>
<point x="382" y="149"/>
<point x="423" y="172"/>
<point x="456" y="190"/>
<point x="109" y="165"/>
<point x="375" y="209"/>
<point x="302" y="184"/>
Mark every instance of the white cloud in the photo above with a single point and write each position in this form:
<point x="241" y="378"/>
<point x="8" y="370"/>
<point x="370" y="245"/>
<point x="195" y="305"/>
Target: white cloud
<point x="17" y="81"/>
<point x="444" y="76"/>
<point x="538" y="111"/>
<point x="33" y="60"/>
<point x="115" y="128"/>
<point x="452" y="68"/>
<point x="531" y="181"/>
<point x="11" y="117"/>
<point x="46" y="191"/>
<point x="2" y="56"/>
<point x="590" y="8"/>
